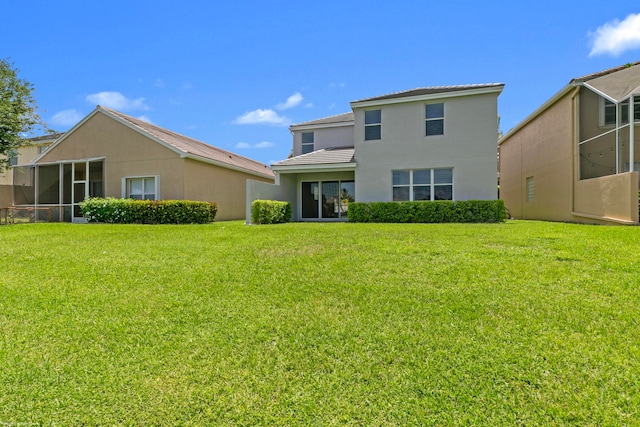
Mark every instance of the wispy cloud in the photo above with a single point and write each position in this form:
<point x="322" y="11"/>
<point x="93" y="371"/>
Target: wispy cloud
<point x="292" y="101"/>
<point x="261" y="117"/>
<point x="616" y="37"/>
<point x="66" y="118"/>
<point x="117" y="101"/>
<point x="246" y="145"/>
<point x="145" y="118"/>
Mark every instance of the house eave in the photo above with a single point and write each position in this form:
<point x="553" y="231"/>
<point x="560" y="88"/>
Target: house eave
<point x="428" y="97"/>
<point x="555" y="98"/>
<point x="327" y="167"/>
<point x="224" y="165"/>
<point x="293" y="128"/>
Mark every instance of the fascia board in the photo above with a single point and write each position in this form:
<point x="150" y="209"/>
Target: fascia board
<point x="224" y="165"/>
<point x="538" y="111"/>
<point x="439" y="95"/>
<point x="328" y="167"/>
<point x="294" y="128"/>
<point x="66" y="134"/>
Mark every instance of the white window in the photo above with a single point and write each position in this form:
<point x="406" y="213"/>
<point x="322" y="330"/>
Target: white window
<point x="530" y="189"/>
<point x="422" y="184"/>
<point x="608" y="111"/>
<point x="307" y="142"/>
<point x="372" y="125"/>
<point x="13" y="159"/>
<point x="141" y="188"/>
<point x="434" y="118"/>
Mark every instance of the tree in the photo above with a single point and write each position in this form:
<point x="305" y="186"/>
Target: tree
<point x="18" y="112"/>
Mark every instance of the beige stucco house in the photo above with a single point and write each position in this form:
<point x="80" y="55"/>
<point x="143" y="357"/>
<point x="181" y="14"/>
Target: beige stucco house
<point x="432" y="143"/>
<point x="570" y="159"/>
<point x="110" y="154"/>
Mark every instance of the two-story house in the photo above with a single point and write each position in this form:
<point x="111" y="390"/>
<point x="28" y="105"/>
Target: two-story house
<point x="433" y="143"/>
<point x="576" y="158"/>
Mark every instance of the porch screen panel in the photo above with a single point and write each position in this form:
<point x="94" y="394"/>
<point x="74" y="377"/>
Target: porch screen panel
<point x="96" y="181"/>
<point x="24" y="191"/>
<point x="67" y="182"/>
<point x="49" y="185"/>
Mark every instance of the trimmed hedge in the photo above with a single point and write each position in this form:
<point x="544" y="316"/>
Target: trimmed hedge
<point x="440" y="211"/>
<point x="270" y="212"/>
<point x="129" y="211"/>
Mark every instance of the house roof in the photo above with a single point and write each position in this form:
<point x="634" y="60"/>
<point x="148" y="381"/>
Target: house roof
<point x="323" y="157"/>
<point x="45" y="138"/>
<point x="183" y="145"/>
<point x="431" y="90"/>
<point x="344" y="118"/>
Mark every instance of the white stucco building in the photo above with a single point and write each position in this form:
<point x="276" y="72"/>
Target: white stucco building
<point x="433" y="143"/>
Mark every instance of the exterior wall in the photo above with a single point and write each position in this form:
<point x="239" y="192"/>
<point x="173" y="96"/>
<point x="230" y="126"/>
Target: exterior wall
<point x="612" y="197"/>
<point x="326" y="137"/>
<point x="127" y="153"/>
<point x="469" y="146"/>
<point x="542" y="149"/>
<point x="284" y="191"/>
<point x="224" y="186"/>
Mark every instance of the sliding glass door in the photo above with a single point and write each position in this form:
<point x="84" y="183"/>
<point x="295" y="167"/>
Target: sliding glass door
<point x="326" y="199"/>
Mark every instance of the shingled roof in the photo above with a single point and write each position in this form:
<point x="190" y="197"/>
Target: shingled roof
<point x="189" y="147"/>
<point x="336" y="119"/>
<point x="327" y="156"/>
<point x="430" y="90"/>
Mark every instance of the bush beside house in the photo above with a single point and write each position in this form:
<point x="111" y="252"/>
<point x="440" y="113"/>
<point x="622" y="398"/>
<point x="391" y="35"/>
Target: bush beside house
<point x="442" y="211"/>
<point x="270" y="212"/>
<point x="128" y="211"/>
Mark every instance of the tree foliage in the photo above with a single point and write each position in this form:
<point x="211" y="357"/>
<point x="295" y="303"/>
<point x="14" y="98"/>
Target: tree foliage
<point x="18" y="112"/>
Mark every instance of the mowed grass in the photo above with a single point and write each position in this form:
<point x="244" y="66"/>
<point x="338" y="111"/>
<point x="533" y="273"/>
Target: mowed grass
<point x="522" y="323"/>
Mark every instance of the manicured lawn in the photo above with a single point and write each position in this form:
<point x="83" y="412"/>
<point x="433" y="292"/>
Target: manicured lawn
<point x="522" y="323"/>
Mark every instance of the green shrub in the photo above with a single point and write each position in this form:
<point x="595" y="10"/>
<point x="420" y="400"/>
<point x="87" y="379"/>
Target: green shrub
<point x="128" y="211"/>
<point x="440" y="211"/>
<point x="270" y="212"/>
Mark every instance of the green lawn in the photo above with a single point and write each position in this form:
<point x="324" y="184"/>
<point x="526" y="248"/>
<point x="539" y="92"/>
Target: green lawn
<point x="522" y="323"/>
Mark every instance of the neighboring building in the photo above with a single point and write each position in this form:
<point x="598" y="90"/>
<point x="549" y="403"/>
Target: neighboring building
<point x="434" y="143"/>
<point x="25" y="154"/>
<point x="111" y="154"/>
<point x="570" y="159"/>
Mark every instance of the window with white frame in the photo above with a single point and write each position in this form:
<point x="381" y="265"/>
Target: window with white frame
<point x="13" y="159"/>
<point x="434" y="119"/>
<point x="141" y="188"/>
<point x="372" y="125"/>
<point x="608" y="111"/>
<point x="422" y="184"/>
<point x="307" y="142"/>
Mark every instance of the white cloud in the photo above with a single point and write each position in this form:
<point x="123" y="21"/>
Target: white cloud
<point x="616" y="37"/>
<point x="260" y="116"/>
<point x="246" y="145"/>
<point x="292" y="101"/>
<point x="145" y="119"/>
<point x="264" y="144"/>
<point x="117" y="101"/>
<point x="66" y="118"/>
<point x="308" y="105"/>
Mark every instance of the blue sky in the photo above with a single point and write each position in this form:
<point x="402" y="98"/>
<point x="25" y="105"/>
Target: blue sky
<point x="236" y="74"/>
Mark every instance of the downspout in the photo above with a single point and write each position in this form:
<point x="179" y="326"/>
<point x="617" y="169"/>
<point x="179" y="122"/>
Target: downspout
<point x="632" y="139"/>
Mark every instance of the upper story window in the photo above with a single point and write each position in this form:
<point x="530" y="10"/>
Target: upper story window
<point x="307" y="142"/>
<point x="608" y="112"/>
<point x="434" y="117"/>
<point x="372" y="125"/>
<point x="13" y="159"/>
